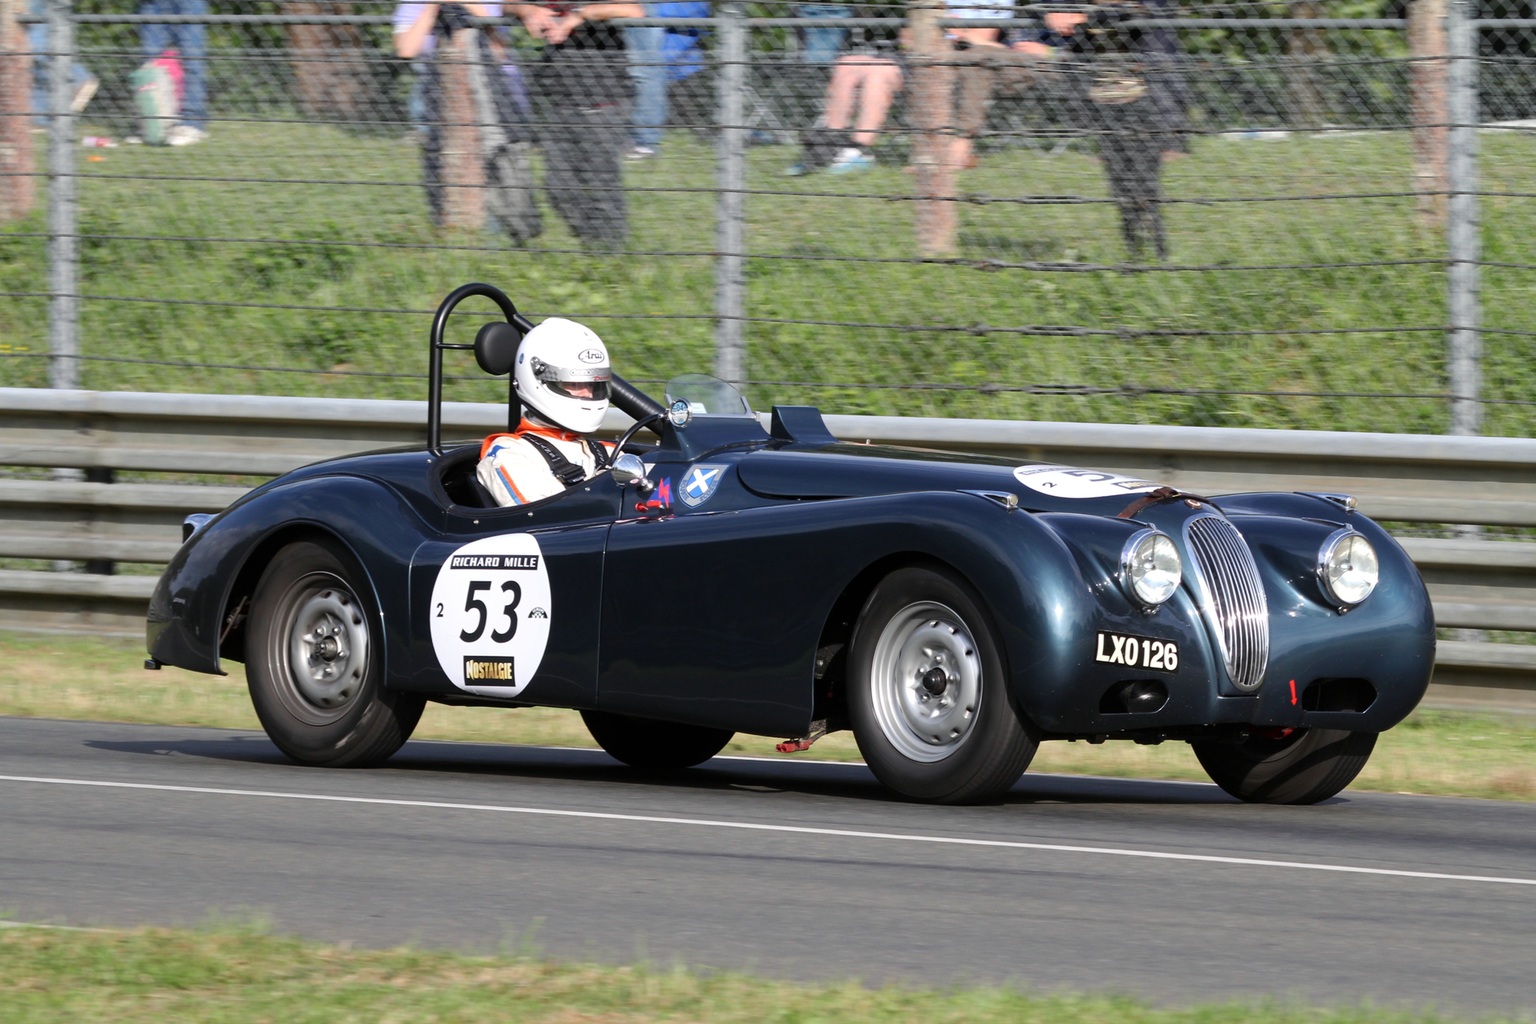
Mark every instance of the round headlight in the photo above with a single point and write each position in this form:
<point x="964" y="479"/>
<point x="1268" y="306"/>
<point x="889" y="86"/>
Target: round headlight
<point x="1347" y="567"/>
<point x="1151" y="566"/>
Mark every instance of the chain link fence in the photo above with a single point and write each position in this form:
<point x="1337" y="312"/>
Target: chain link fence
<point x="1304" y="214"/>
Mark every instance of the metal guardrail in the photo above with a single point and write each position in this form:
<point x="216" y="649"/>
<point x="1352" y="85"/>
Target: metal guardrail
<point x="101" y="480"/>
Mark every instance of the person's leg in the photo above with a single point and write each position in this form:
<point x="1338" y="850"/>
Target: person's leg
<point x="973" y="98"/>
<point x="37" y="43"/>
<point x="1117" y="170"/>
<point x="648" y="70"/>
<point x="432" y="141"/>
<point x="192" y="42"/>
<point x="881" y="82"/>
<point x="847" y="74"/>
<point x="583" y="173"/>
<point x="154" y="38"/>
<point x="1146" y="169"/>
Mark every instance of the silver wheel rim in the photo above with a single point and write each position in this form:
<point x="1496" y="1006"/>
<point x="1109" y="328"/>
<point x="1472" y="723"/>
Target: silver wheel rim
<point x="925" y="681"/>
<point x="323" y="656"/>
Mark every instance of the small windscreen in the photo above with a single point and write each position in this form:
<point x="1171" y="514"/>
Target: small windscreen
<point x="707" y="396"/>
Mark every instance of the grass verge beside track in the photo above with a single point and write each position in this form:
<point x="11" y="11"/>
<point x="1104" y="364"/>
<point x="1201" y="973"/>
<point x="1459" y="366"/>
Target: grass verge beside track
<point x="1434" y="752"/>
<point x="154" y="976"/>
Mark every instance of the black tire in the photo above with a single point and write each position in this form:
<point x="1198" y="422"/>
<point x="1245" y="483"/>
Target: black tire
<point x="928" y="695"/>
<point x="315" y="663"/>
<point x="654" y="746"/>
<point x="1305" y="767"/>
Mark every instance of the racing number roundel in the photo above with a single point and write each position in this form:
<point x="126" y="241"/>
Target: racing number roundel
<point x="490" y="614"/>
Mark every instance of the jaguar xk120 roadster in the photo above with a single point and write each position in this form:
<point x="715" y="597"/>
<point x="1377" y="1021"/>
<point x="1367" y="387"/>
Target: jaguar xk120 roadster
<point x="759" y="575"/>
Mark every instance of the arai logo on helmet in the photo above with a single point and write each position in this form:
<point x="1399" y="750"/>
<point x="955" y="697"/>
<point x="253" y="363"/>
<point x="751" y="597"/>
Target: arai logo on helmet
<point x="593" y="355"/>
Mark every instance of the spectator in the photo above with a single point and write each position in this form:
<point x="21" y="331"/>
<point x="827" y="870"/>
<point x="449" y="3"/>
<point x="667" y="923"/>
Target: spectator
<point x="656" y="57"/>
<point x="189" y="40"/>
<point x="584" y="74"/>
<point x="82" y="83"/>
<point x="864" y="84"/>
<point x="502" y="109"/>
<point x="1137" y="105"/>
<point x="980" y="53"/>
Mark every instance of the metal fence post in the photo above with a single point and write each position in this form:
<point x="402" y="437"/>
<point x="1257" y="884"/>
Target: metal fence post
<point x="1462" y="229"/>
<point x="63" y="240"/>
<point x="730" y="206"/>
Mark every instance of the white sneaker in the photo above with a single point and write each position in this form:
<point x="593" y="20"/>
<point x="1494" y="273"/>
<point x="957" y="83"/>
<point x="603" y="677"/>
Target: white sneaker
<point x="184" y="135"/>
<point x="851" y="159"/>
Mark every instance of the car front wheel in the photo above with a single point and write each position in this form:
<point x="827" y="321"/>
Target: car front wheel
<point x="1303" y="766"/>
<point x="927" y="696"/>
<point x="315" y="664"/>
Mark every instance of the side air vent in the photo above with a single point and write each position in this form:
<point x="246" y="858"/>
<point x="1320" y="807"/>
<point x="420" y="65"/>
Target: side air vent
<point x="1234" y="597"/>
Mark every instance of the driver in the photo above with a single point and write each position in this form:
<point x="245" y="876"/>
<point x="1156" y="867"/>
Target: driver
<point x="562" y="378"/>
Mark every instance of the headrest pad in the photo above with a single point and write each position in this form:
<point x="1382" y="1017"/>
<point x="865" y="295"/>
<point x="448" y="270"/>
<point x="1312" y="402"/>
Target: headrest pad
<point x="496" y="347"/>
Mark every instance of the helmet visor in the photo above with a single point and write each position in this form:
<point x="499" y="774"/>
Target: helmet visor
<point x="583" y="383"/>
<point x="580" y="390"/>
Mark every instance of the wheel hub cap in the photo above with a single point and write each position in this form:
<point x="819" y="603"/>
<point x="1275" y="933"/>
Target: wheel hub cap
<point x="926" y="681"/>
<point x="328" y="647"/>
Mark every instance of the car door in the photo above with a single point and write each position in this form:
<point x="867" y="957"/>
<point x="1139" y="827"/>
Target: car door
<point x="506" y="601"/>
<point x="708" y="615"/>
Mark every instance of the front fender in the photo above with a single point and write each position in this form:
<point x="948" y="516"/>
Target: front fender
<point x="220" y="564"/>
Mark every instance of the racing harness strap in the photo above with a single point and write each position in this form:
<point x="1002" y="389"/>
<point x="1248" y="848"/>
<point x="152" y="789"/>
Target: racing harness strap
<point x="567" y="472"/>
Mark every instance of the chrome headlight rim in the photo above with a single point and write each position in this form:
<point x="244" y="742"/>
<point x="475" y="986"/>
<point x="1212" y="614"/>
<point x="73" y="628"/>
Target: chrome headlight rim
<point x="1329" y="557"/>
<point x="1148" y="591"/>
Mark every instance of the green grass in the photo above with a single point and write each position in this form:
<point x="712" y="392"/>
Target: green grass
<point x="1434" y="752"/>
<point x="234" y="976"/>
<point x="296" y="246"/>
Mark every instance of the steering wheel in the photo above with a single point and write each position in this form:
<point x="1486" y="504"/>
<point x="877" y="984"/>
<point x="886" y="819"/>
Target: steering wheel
<point x="634" y="428"/>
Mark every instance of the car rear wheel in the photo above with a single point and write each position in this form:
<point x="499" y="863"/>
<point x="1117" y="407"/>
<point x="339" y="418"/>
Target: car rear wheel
<point x="315" y="668"/>
<point x="927" y="695"/>
<point x="651" y="745"/>
<point x="1302" y="767"/>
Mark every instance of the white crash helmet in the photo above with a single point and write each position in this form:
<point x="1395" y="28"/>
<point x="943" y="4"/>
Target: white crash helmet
<point x="553" y="356"/>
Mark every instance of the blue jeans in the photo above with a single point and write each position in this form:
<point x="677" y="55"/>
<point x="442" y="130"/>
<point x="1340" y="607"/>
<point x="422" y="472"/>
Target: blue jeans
<point x="37" y="43"/>
<point x="822" y="45"/>
<point x="190" y="42"/>
<point x="648" y="70"/>
<point x="79" y="74"/>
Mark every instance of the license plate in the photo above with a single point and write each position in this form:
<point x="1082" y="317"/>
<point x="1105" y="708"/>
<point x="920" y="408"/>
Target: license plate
<point x="1137" y="652"/>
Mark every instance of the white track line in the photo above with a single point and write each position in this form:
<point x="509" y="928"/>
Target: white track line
<point x="1004" y="844"/>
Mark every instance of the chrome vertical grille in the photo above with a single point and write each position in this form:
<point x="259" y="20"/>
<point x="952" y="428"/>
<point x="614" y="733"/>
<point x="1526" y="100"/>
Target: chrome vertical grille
<point x="1234" y="595"/>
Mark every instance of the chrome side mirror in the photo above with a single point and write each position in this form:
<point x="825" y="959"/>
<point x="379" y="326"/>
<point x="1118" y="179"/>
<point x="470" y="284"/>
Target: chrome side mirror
<point x="628" y="469"/>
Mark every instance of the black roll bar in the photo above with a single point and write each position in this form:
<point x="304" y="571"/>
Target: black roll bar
<point x="625" y="396"/>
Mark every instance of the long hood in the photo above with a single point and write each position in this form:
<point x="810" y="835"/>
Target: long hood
<point x="855" y="470"/>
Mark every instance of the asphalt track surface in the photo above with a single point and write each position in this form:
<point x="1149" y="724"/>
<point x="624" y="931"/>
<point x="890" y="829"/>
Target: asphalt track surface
<point x="1171" y="892"/>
